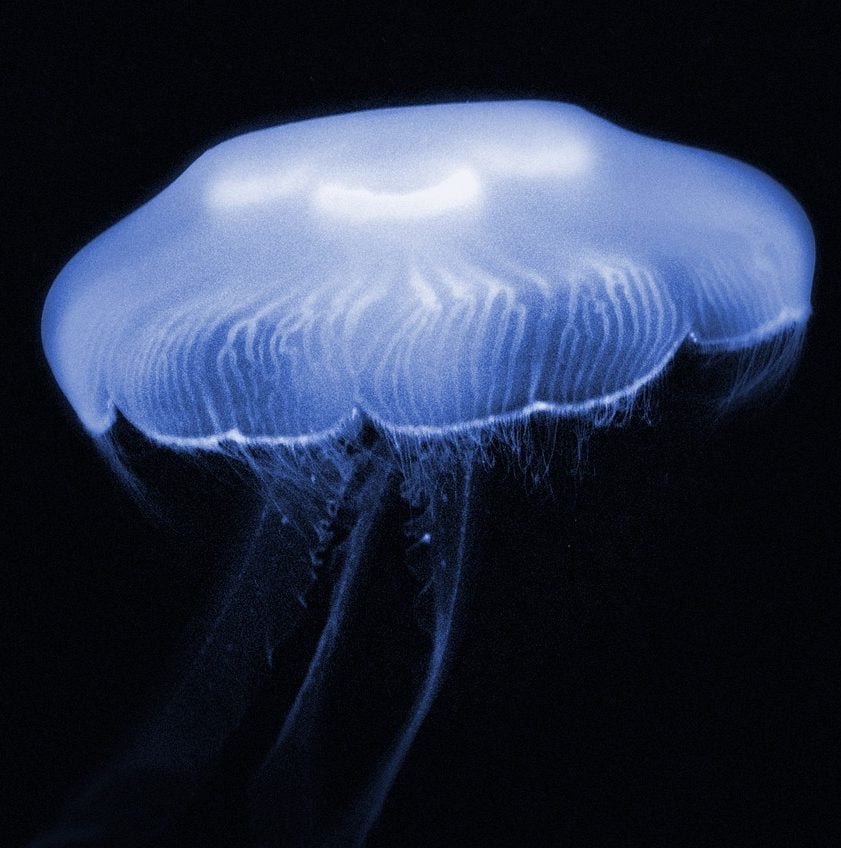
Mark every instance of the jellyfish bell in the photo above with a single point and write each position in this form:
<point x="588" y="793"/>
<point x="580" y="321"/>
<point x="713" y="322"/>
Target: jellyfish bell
<point x="429" y="267"/>
<point x="428" y="275"/>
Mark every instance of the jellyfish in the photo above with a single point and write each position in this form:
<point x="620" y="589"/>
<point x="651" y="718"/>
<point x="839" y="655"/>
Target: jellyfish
<point x="356" y="308"/>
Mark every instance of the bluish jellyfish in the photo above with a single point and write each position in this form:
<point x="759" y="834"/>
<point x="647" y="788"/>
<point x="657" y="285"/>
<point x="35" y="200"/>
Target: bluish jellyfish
<point x="355" y="308"/>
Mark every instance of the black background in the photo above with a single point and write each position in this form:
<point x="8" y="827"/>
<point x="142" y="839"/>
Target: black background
<point x="651" y="655"/>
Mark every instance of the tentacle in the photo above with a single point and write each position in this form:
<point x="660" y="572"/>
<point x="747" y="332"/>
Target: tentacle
<point x="140" y="798"/>
<point x="374" y="676"/>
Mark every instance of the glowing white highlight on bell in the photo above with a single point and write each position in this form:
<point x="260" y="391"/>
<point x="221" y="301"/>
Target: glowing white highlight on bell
<point x="462" y="188"/>
<point x="230" y="192"/>
<point x="566" y="159"/>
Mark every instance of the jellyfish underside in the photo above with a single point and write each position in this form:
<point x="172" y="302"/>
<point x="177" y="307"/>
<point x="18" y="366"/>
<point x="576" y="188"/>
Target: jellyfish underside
<point x="355" y="316"/>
